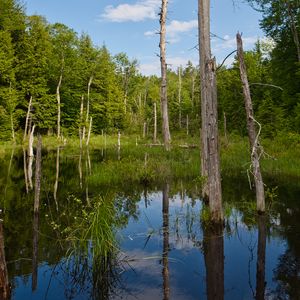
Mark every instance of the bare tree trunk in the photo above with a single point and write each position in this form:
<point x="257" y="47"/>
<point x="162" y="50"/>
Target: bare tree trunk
<point x="87" y="108"/>
<point x="30" y="143"/>
<point x="89" y="132"/>
<point x="210" y="160"/>
<point x="11" y="116"/>
<point x="4" y="282"/>
<point x="163" y="91"/>
<point x="179" y="96"/>
<point x="27" y="118"/>
<point x="155" y="124"/>
<point x="58" y="103"/>
<point x="80" y="125"/>
<point x="204" y="35"/>
<point x="253" y="137"/>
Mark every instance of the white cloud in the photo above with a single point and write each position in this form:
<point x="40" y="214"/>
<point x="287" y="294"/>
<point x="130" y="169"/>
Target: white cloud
<point x="139" y="11"/>
<point x="175" y="28"/>
<point x="153" y="68"/>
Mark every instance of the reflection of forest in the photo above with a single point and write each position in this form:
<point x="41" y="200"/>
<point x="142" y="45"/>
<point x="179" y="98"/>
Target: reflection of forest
<point x="61" y="175"/>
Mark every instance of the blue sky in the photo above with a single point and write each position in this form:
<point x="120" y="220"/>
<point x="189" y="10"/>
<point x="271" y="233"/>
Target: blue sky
<point x="130" y="26"/>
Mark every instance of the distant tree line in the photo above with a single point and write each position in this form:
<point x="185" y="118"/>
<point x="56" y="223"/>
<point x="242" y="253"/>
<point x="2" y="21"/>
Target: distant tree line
<point x="56" y="79"/>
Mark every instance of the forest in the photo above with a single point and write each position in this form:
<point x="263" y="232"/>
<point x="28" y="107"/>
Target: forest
<point x="54" y="68"/>
<point x="118" y="185"/>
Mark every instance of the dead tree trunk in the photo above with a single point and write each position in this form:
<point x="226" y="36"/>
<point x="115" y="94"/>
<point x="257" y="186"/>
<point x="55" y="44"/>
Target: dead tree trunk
<point x="87" y="107"/>
<point x="210" y="159"/>
<point x="27" y="118"/>
<point x="155" y="124"/>
<point x="179" y="96"/>
<point x="80" y="125"/>
<point x="58" y="103"/>
<point x="253" y="137"/>
<point x="30" y="143"/>
<point x="163" y="91"/>
<point x="11" y="116"/>
<point x="89" y="131"/>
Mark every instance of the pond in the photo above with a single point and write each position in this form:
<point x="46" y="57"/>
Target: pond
<point x="157" y="243"/>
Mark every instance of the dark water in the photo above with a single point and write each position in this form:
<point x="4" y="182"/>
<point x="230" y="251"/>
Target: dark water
<point x="165" y="251"/>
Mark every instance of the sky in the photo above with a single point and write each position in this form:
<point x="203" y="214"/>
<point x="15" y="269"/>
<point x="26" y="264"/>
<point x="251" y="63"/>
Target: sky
<point x="130" y="26"/>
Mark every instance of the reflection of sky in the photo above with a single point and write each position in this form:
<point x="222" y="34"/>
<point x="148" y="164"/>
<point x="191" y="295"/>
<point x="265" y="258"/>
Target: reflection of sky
<point x="141" y="245"/>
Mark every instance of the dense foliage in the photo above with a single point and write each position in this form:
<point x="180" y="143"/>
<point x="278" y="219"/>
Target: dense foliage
<point x="36" y="56"/>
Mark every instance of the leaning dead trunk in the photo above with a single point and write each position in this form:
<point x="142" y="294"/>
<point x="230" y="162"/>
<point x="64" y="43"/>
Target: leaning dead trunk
<point x="210" y="159"/>
<point x="30" y="143"/>
<point x="27" y="118"/>
<point x="253" y="137"/>
<point x="89" y="132"/>
<point x="163" y="91"/>
<point x="80" y="125"/>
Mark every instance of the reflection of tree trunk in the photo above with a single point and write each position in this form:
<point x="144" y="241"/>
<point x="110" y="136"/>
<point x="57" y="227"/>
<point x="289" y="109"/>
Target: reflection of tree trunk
<point x="261" y="258"/>
<point x="165" y="261"/>
<point x="36" y="214"/>
<point x="214" y="261"/>
<point x="25" y="170"/>
<point x="56" y="178"/>
<point x="4" y="283"/>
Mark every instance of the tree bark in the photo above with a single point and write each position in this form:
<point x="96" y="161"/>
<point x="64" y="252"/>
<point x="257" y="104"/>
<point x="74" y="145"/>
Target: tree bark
<point x="210" y="159"/>
<point x="155" y="124"/>
<point x="27" y="118"/>
<point x="58" y="104"/>
<point x="179" y="96"/>
<point x="80" y="125"/>
<point x="89" y="132"/>
<point x="253" y="137"/>
<point x="30" y="143"/>
<point x="163" y="91"/>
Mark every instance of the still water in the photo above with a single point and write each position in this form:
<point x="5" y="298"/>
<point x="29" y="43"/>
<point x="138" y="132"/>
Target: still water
<point x="163" y="250"/>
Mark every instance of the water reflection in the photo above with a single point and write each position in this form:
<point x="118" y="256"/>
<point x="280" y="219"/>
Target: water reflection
<point x="165" y="255"/>
<point x="165" y="252"/>
<point x="4" y="282"/>
<point x="214" y="261"/>
<point x="261" y="258"/>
